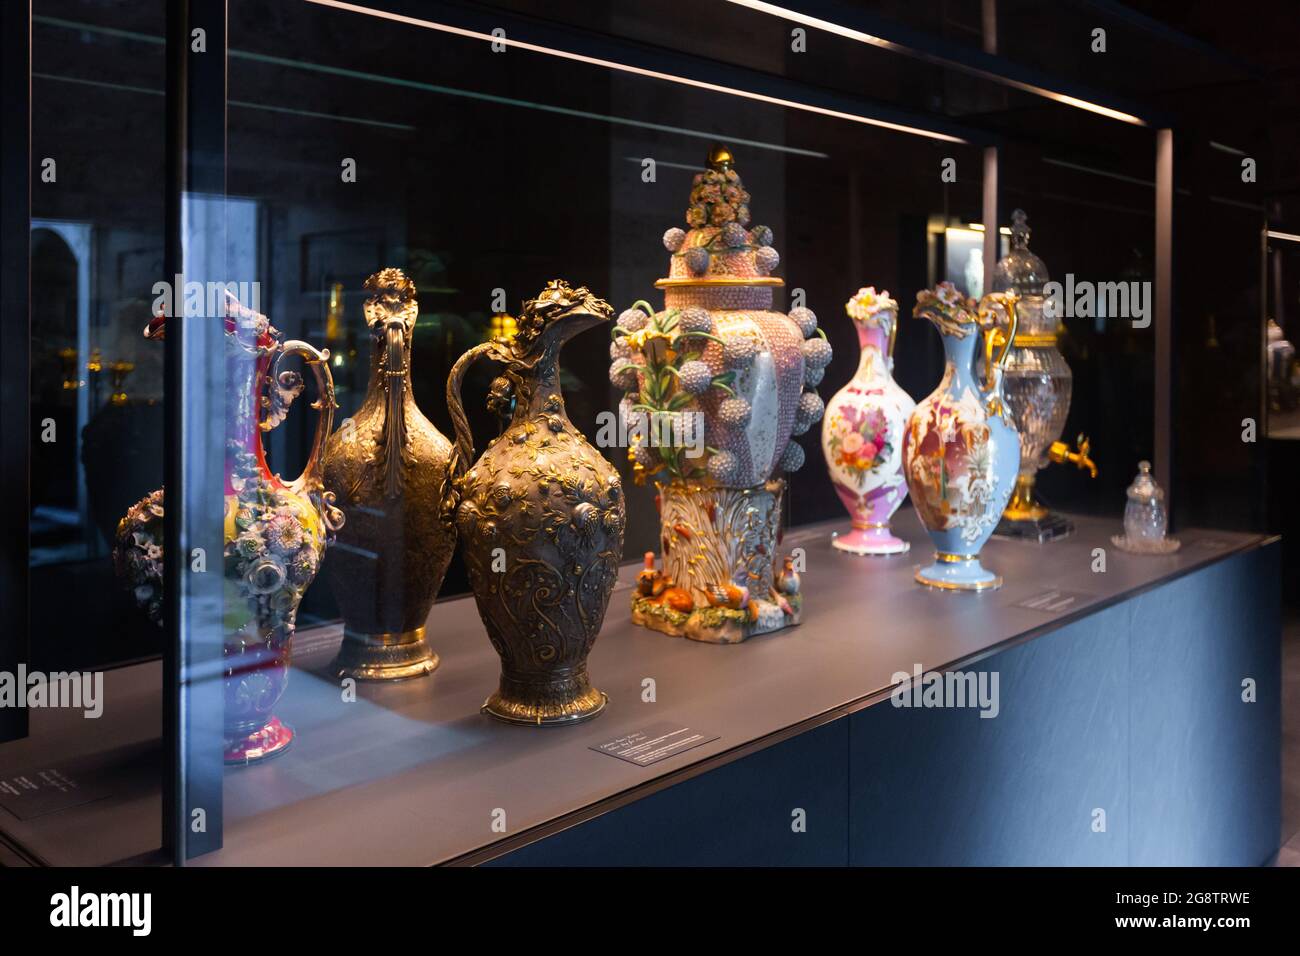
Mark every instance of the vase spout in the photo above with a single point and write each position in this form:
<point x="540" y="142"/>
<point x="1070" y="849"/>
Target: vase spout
<point x="558" y="314"/>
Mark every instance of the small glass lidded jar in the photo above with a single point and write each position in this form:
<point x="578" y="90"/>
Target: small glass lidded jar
<point x="1145" y="519"/>
<point x="1144" y="514"/>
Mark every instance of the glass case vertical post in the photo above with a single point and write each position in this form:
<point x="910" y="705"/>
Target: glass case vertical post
<point x="195" y="424"/>
<point x="15" y="335"/>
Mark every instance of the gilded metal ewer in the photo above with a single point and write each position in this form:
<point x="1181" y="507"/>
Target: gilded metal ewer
<point x="387" y="465"/>
<point x="540" y="517"/>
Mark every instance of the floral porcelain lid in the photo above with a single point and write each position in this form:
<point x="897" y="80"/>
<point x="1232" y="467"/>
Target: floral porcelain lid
<point x="1020" y="271"/>
<point x="718" y="249"/>
<point x="1144" y="488"/>
<point x="869" y="306"/>
<point x="952" y="312"/>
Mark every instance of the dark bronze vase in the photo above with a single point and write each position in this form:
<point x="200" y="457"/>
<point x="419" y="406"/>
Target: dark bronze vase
<point x="540" y="516"/>
<point x="387" y="466"/>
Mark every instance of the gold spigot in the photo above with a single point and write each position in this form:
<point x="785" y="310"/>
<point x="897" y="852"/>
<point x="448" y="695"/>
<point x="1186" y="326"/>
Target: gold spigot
<point x="1060" y="453"/>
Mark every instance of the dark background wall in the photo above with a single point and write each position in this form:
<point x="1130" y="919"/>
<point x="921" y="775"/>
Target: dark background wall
<point x="480" y="171"/>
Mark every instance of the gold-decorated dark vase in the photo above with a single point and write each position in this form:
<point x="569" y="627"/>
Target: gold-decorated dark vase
<point x="387" y="466"/>
<point x="540" y="517"/>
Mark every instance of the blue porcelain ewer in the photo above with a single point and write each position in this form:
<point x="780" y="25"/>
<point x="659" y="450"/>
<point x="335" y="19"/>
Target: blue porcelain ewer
<point x="961" y="452"/>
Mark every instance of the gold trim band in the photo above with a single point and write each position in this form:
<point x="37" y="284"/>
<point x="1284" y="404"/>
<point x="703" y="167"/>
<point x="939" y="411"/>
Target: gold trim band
<point x="389" y="638"/>
<point x="720" y="282"/>
<point x="947" y="558"/>
<point x="1028" y="340"/>
<point x="991" y="585"/>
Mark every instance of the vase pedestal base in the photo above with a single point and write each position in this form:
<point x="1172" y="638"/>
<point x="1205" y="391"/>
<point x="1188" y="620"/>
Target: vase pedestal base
<point x="270" y="739"/>
<point x="545" y="703"/>
<point x="716" y="625"/>
<point x="397" y="656"/>
<point x="1048" y="527"/>
<point x="958" y="573"/>
<point x="874" y="541"/>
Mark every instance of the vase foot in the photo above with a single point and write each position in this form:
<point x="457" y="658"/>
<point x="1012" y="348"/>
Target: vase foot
<point x="875" y="541"/>
<point x="712" y="625"/>
<point x="540" y="705"/>
<point x="271" y="739"/>
<point x="384" y="657"/>
<point x="958" y="573"/>
<point x="1049" y="527"/>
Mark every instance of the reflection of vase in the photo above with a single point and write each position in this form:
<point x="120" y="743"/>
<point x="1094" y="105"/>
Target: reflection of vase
<point x="740" y="378"/>
<point x="974" y="272"/>
<point x="862" y="432"/>
<point x="719" y="548"/>
<point x="961" y="452"/>
<point x="122" y="452"/>
<point x="275" y="532"/>
<point x="386" y="466"/>
<point x="540" y="517"/>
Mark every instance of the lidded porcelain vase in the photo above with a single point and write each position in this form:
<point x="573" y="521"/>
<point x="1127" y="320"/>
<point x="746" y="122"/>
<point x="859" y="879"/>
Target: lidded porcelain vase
<point x="540" y="516"/>
<point x="961" y="452"/>
<point x="862" y="432"/>
<point x="275" y="531"/>
<point x="714" y="387"/>
<point x="387" y="466"/>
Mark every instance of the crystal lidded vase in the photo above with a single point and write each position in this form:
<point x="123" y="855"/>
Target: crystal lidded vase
<point x="1038" y="384"/>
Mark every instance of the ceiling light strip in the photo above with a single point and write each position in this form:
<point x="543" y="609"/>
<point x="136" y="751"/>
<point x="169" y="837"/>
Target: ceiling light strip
<point x="638" y="71"/>
<point x="794" y="16"/>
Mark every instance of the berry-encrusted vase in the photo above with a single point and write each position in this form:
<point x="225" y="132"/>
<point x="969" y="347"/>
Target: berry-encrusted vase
<point x="716" y="387"/>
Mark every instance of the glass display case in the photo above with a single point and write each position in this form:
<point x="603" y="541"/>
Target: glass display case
<point x="297" y="282"/>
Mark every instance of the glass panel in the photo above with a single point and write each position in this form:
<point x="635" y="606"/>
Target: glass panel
<point x="483" y="176"/>
<point x="90" y="685"/>
<point x="362" y="224"/>
<point x="97" y="248"/>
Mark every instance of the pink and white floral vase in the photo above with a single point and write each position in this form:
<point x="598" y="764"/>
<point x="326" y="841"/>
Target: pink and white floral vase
<point x="863" y="429"/>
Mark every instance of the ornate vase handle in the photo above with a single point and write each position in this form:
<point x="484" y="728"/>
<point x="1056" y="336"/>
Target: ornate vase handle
<point x="318" y="361"/>
<point x="992" y="303"/>
<point x="462" y="455"/>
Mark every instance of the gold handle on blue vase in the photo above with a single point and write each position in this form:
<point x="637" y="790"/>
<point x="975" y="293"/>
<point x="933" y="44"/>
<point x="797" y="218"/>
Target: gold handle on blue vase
<point x="994" y="334"/>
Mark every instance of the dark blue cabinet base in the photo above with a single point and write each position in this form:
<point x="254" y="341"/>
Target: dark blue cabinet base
<point x="1146" y="733"/>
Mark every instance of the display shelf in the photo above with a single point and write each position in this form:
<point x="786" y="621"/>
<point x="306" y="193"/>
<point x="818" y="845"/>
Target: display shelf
<point x="411" y="774"/>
